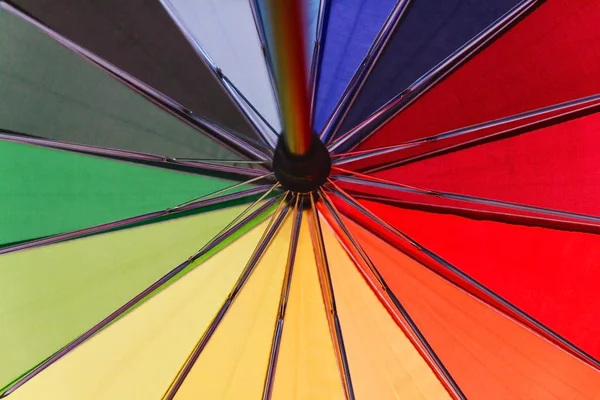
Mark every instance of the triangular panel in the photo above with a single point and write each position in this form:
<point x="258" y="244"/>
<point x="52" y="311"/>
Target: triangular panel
<point x="46" y="191"/>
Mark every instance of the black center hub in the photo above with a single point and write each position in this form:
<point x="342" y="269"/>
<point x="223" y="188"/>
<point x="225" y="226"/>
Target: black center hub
<point x="302" y="173"/>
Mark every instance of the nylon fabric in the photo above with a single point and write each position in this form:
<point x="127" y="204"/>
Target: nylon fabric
<point x="46" y="192"/>
<point x="66" y="288"/>
<point x="137" y="356"/>
<point x="547" y="58"/>
<point x="51" y="92"/>
<point x="550" y="274"/>
<point x="233" y="365"/>
<point x="227" y="32"/>
<point x="350" y="30"/>
<point x="307" y="366"/>
<point x="555" y="167"/>
<point x="430" y="31"/>
<point x="139" y="37"/>
<point x="489" y="355"/>
<point x="383" y="362"/>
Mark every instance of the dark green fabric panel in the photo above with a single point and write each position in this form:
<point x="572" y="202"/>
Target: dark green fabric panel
<point x="48" y="91"/>
<point x="46" y="191"/>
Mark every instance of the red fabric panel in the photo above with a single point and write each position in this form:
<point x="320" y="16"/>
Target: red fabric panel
<point x="465" y="208"/>
<point x="489" y="355"/>
<point x="556" y="167"/>
<point x="477" y="135"/>
<point x="550" y="57"/>
<point x="550" y="274"/>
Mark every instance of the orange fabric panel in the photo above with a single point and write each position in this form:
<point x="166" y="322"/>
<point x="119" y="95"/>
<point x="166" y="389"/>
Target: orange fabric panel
<point x="383" y="362"/>
<point x="489" y="355"/>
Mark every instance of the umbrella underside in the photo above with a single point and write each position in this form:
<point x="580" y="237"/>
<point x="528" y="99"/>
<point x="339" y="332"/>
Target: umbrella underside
<point x="176" y="222"/>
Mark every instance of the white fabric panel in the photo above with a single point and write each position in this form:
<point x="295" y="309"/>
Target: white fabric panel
<point x="226" y="31"/>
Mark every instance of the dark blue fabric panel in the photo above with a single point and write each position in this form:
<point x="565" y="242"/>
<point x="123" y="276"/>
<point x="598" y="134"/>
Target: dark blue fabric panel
<point x="429" y="32"/>
<point x="351" y="28"/>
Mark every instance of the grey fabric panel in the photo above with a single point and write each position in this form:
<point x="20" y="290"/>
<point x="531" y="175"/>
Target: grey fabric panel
<point x="139" y="37"/>
<point x="46" y="90"/>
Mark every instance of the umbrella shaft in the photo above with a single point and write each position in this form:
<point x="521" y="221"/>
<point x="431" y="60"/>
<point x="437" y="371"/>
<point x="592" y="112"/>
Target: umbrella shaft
<point x="286" y="18"/>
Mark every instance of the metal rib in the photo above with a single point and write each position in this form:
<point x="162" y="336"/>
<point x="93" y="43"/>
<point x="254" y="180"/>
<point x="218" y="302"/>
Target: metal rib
<point x="366" y="180"/>
<point x="427" y="81"/>
<point x="217" y="161"/>
<point x="363" y="71"/>
<point x="248" y="144"/>
<point x="419" y="339"/>
<point x="583" y="104"/>
<point x="283" y="300"/>
<point x="329" y="300"/>
<point x="164" y="102"/>
<point x="248" y="209"/>
<point x="316" y="57"/>
<point x="267" y="132"/>
<point x="503" y="216"/>
<point x="227" y="171"/>
<point x="264" y="242"/>
<point x="217" y="72"/>
<point x="218" y="239"/>
<point x="229" y="188"/>
<point x="196" y="204"/>
<point x="514" y="312"/>
<point x="260" y="116"/>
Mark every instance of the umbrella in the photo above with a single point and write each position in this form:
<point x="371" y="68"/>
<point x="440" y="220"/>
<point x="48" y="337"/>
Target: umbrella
<point x="230" y="199"/>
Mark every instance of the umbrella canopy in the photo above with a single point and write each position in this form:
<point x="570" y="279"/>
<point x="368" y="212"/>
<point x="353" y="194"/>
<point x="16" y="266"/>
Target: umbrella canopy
<point x="299" y="200"/>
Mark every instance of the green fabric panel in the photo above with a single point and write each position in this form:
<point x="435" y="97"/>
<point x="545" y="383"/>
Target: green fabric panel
<point x="46" y="90"/>
<point x="50" y="295"/>
<point x="45" y="191"/>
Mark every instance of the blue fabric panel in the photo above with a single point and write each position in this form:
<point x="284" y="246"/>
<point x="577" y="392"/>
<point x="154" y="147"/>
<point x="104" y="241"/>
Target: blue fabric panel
<point x="350" y="30"/>
<point x="430" y="31"/>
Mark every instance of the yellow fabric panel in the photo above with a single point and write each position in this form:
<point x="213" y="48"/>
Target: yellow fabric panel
<point x="233" y="365"/>
<point x="307" y="366"/>
<point x="383" y="362"/>
<point x="139" y="355"/>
